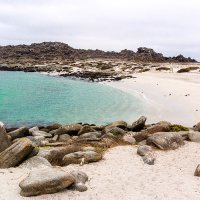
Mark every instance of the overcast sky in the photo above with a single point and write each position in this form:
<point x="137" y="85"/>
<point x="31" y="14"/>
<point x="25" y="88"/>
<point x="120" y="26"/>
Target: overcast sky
<point x="169" y="26"/>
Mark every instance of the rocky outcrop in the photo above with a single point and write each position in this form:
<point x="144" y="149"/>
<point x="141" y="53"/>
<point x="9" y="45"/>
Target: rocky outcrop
<point x="4" y="140"/>
<point x="60" y="52"/>
<point x="45" y="181"/>
<point x="16" y="153"/>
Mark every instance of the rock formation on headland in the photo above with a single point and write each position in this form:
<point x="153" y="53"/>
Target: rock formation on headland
<point x="60" y="52"/>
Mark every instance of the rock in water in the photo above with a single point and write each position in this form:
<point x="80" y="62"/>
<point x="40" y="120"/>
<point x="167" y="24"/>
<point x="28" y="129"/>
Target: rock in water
<point x="80" y="180"/>
<point x="19" y="133"/>
<point x="4" y="140"/>
<point x="139" y="124"/>
<point x="78" y="157"/>
<point x="45" y="181"/>
<point x="16" y="153"/>
<point x="166" y="141"/>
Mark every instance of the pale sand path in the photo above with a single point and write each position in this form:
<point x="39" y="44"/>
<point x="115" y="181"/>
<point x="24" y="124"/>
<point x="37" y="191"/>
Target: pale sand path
<point x="123" y="175"/>
<point x="155" y="88"/>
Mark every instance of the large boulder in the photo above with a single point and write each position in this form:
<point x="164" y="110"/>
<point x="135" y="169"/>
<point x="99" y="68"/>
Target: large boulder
<point x="166" y="141"/>
<point x="36" y="162"/>
<point x="86" y="129"/>
<point x="143" y="150"/>
<point x="19" y="133"/>
<point x="55" y="154"/>
<point x="45" y="181"/>
<point x="194" y="136"/>
<point x="197" y="127"/>
<point x="197" y="171"/>
<point x="159" y="127"/>
<point x="4" y="140"/>
<point x="16" y="153"/>
<point x="81" y="156"/>
<point x="139" y="124"/>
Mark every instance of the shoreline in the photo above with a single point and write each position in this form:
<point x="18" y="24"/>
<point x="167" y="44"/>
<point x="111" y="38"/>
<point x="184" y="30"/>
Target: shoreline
<point x="169" y="96"/>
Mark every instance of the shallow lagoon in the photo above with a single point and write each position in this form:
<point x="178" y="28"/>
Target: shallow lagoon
<point x="34" y="98"/>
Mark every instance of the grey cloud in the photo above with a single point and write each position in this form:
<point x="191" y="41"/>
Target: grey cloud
<point x="168" y="26"/>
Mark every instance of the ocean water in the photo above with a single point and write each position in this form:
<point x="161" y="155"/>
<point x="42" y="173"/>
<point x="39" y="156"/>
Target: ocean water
<point x="33" y="98"/>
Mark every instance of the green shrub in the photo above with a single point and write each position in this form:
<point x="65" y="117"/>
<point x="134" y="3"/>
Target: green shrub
<point x="188" y="69"/>
<point x="177" y="128"/>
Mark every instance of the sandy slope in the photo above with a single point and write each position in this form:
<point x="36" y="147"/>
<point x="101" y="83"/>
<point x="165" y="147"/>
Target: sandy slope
<point x="165" y="95"/>
<point x="122" y="175"/>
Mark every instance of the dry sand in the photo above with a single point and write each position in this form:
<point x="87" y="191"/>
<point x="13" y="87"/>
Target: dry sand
<point x="123" y="175"/>
<point x="168" y="96"/>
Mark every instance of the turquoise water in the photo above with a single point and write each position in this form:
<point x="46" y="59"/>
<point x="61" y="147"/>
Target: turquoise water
<point x="33" y="98"/>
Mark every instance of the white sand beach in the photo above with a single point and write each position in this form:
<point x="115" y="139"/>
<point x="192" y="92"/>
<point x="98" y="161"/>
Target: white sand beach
<point x="123" y="175"/>
<point x="168" y="96"/>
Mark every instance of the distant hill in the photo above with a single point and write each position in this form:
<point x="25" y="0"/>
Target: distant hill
<point x="48" y="51"/>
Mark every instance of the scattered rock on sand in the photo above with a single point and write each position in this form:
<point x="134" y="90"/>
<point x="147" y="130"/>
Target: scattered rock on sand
<point x="144" y="150"/>
<point x="197" y="171"/>
<point x="45" y="181"/>
<point x="16" y="153"/>
<point x="166" y="141"/>
<point x="4" y="140"/>
<point x="139" y="124"/>
<point x="149" y="159"/>
<point x="81" y="156"/>
<point x="80" y="180"/>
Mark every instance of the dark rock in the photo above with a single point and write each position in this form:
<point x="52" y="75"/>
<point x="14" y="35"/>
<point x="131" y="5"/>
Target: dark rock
<point x="139" y="124"/>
